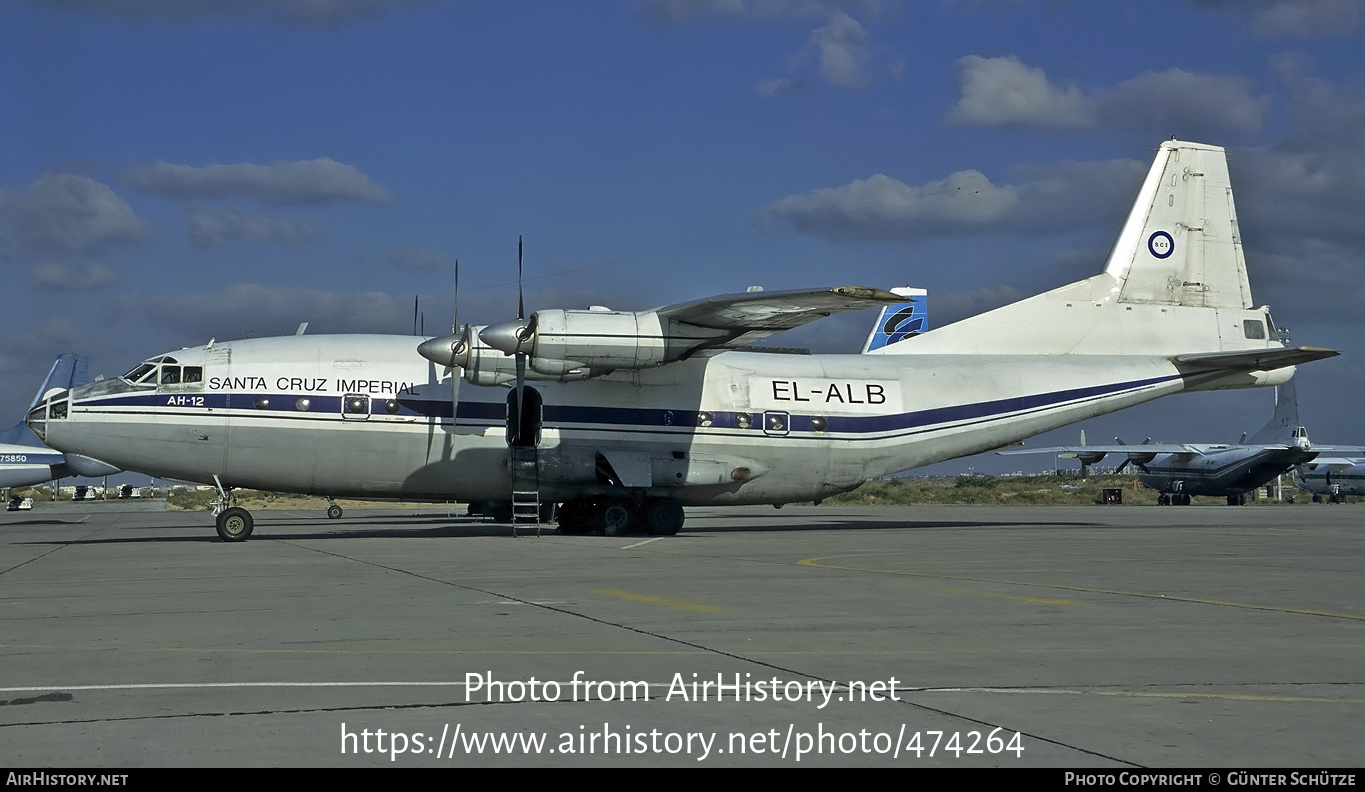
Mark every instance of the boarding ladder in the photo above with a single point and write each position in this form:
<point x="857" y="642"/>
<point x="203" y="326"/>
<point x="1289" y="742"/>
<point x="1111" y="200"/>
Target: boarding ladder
<point x="525" y="466"/>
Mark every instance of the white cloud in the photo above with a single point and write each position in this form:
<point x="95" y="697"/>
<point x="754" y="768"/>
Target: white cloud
<point x="842" y="48"/>
<point x="1183" y="104"/>
<point x="405" y="258"/>
<point x="212" y="227"/>
<point x="1062" y="196"/>
<point x="57" y="276"/>
<point x="780" y="87"/>
<point x="1302" y="18"/>
<point x="64" y="212"/>
<point x="1006" y="92"/>
<point x="316" y="181"/>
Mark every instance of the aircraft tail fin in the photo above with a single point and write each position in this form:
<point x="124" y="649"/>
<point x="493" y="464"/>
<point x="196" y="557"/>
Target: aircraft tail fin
<point x="1174" y="284"/>
<point x="1285" y="420"/>
<point x="67" y="372"/>
<point x="1181" y="244"/>
<point x="900" y="321"/>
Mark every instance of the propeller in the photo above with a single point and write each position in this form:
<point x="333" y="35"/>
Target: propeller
<point x="523" y="334"/>
<point x="454" y="352"/>
<point x="451" y="350"/>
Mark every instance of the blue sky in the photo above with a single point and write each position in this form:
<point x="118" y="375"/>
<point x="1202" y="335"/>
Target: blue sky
<point x="175" y="170"/>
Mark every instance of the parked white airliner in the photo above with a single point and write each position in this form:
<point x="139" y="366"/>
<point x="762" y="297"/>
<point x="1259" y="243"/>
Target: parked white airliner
<point x="627" y="417"/>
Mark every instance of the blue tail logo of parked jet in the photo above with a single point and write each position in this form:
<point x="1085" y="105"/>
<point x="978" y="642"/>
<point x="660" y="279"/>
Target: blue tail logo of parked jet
<point x="900" y="321"/>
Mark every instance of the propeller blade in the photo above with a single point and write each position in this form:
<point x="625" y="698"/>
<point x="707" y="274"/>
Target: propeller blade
<point x="455" y="375"/>
<point x="521" y="336"/>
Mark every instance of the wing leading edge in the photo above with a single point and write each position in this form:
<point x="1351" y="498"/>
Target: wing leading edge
<point x="745" y="318"/>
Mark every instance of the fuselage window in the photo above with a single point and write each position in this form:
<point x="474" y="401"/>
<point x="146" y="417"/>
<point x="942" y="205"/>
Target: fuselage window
<point x="1253" y="329"/>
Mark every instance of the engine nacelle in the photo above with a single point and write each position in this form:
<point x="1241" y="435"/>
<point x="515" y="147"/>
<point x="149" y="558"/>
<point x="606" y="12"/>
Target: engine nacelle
<point x="567" y="340"/>
<point x="488" y="366"/>
<point x="481" y="364"/>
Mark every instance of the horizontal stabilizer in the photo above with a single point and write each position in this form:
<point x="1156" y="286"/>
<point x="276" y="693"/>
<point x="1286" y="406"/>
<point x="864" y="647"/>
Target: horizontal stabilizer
<point x="1253" y="359"/>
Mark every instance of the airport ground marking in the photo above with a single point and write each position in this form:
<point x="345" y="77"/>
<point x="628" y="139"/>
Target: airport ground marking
<point x="692" y="607"/>
<point x="360" y="652"/>
<point x="645" y="542"/>
<point x="818" y="563"/>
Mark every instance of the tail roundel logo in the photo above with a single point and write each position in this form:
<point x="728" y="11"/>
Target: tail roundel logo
<point x="1160" y="244"/>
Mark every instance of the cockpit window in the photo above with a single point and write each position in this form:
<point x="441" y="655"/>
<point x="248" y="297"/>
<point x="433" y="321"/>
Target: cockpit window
<point x="164" y="370"/>
<point x="139" y="373"/>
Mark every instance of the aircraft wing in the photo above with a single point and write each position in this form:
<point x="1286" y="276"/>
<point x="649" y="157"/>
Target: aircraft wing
<point x="1254" y="359"/>
<point x="1336" y="463"/>
<point x="1147" y="450"/>
<point x="754" y="316"/>
<point x="1353" y="455"/>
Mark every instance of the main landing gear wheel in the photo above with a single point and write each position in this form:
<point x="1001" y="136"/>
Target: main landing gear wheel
<point x="573" y="518"/>
<point x="617" y="518"/>
<point x="334" y="512"/>
<point x="664" y="517"/>
<point x="235" y="524"/>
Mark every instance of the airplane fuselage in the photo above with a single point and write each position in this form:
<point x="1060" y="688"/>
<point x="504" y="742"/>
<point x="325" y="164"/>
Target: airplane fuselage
<point x="1220" y="473"/>
<point x="365" y="415"/>
<point x="1345" y="477"/>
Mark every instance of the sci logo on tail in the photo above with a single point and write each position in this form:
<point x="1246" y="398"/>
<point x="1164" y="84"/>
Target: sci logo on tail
<point x="900" y="321"/>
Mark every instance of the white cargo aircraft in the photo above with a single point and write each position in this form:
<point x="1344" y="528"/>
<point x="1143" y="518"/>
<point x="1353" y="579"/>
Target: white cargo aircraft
<point x="629" y="417"/>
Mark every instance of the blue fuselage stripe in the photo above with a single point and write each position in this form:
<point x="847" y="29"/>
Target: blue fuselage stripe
<point x="243" y="405"/>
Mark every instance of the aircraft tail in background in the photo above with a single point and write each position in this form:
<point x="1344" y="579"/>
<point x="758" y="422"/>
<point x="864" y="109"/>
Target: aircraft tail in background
<point x="67" y="372"/>
<point x="1285" y="422"/>
<point x="900" y="321"/>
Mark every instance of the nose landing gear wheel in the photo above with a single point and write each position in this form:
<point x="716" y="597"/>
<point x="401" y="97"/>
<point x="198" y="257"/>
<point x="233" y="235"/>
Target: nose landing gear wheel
<point x="334" y="512"/>
<point x="235" y="524"/>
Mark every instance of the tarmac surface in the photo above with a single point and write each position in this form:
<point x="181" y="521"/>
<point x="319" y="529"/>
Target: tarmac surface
<point x="1085" y="637"/>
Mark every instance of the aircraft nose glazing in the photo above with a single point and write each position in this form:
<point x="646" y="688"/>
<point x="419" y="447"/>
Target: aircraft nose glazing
<point x="37" y="420"/>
